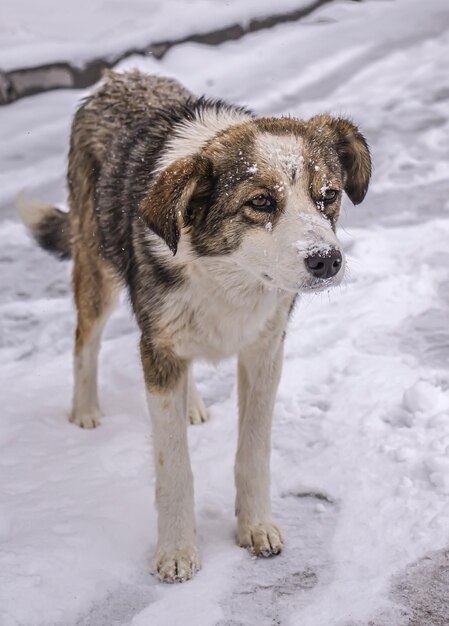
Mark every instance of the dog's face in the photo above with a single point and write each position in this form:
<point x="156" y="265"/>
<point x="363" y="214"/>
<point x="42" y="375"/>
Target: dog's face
<point x="266" y="195"/>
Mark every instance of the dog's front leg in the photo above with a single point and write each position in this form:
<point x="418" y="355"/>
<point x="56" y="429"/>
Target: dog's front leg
<point x="259" y="371"/>
<point x="166" y="378"/>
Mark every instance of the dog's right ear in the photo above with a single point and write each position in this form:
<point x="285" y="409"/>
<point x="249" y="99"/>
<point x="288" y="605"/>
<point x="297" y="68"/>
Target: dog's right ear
<point x="164" y="208"/>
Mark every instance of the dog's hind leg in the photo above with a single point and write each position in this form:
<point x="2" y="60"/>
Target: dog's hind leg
<point x="96" y="291"/>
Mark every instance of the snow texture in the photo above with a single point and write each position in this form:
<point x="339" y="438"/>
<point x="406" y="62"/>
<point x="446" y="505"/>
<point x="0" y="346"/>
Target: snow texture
<point x="360" y="459"/>
<point x="34" y="33"/>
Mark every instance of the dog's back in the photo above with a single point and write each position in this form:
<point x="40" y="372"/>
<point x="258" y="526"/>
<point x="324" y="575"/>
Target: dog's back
<point x="120" y="105"/>
<point x="104" y="130"/>
<point x="122" y="101"/>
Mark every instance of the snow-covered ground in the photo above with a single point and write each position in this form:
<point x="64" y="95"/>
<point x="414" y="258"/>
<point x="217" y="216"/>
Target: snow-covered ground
<point x="361" y="431"/>
<point x="35" y="32"/>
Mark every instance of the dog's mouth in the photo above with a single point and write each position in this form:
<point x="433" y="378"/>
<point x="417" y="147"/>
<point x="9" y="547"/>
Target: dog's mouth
<point x="309" y="285"/>
<point x="319" y="284"/>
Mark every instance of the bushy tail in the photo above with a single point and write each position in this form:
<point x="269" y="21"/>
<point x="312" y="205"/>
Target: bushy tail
<point x="48" y="225"/>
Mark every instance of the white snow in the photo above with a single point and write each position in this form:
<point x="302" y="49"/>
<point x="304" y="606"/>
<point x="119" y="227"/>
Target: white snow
<point x="360" y="460"/>
<point x="34" y="33"/>
<point x="424" y="397"/>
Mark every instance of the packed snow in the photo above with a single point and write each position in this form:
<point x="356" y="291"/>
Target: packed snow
<point x="360" y="462"/>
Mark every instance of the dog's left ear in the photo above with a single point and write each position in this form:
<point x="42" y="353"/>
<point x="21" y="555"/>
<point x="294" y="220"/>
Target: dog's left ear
<point x="353" y="151"/>
<point x="164" y="208"/>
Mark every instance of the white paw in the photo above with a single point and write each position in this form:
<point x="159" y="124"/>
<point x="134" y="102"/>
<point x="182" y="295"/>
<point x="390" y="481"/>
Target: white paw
<point x="197" y="412"/>
<point x="261" y="538"/>
<point x="90" y="419"/>
<point x="176" y="565"/>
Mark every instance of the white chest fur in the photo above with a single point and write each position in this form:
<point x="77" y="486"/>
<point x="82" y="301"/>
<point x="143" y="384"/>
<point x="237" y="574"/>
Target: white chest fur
<point x="216" y="313"/>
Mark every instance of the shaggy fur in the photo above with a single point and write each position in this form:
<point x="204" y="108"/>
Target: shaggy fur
<point x="214" y="220"/>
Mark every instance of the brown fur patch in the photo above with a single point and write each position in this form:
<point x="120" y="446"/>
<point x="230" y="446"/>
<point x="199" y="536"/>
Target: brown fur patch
<point x="323" y="135"/>
<point x="95" y="281"/>
<point x="281" y="126"/>
<point x="352" y="150"/>
<point x="95" y="287"/>
<point x="336" y="156"/>
<point x="162" y="369"/>
<point x="238" y="176"/>
<point x="164" y="208"/>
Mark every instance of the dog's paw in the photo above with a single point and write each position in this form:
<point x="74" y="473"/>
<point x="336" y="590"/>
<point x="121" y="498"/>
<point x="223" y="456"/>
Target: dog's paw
<point x="86" y="420"/>
<point x="197" y="412"/>
<point x="261" y="539"/>
<point x="176" y="565"/>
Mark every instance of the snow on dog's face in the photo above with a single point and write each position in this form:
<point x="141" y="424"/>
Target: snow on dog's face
<point x="266" y="193"/>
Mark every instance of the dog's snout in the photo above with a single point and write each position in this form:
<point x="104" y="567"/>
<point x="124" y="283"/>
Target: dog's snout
<point x="324" y="264"/>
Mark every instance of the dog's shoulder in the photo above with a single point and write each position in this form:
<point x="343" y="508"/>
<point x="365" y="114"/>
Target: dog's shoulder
<point x="201" y="119"/>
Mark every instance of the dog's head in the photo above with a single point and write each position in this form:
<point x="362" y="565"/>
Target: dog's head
<point x="266" y="194"/>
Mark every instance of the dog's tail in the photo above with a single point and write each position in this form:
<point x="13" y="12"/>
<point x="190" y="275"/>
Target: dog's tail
<point x="48" y="225"/>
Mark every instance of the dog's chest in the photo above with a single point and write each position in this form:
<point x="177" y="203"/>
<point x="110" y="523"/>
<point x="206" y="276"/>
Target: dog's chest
<point x="213" y="326"/>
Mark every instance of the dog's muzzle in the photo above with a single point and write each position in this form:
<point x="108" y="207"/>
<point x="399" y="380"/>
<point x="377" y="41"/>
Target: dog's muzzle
<point x="324" y="264"/>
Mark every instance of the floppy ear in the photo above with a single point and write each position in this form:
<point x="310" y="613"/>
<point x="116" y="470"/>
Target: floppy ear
<point x="353" y="151"/>
<point x="164" y="208"/>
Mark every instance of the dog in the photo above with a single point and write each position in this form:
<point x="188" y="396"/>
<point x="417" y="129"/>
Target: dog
<point x="215" y="220"/>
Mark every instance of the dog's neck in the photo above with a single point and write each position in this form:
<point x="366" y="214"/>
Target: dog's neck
<point x="228" y="281"/>
<point x="232" y="305"/>
<point x="221" y="276"/>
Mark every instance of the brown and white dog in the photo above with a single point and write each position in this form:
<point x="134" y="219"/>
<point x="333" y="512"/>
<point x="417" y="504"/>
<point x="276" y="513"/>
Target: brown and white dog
<point x="214" y="220"/>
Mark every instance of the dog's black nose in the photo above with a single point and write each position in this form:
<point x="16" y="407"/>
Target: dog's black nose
<point x="324" y="264"/>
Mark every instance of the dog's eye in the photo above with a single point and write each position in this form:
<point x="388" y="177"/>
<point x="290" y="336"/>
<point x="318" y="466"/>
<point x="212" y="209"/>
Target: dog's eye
<point x="329" y="195"/>
<point x="262" y="203"/>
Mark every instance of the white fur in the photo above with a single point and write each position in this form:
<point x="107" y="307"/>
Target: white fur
<point x="220" y="308"/>
<point x="196" y="411"/>
<point x="190" y="136"/>
<point x="232" y="309"/>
